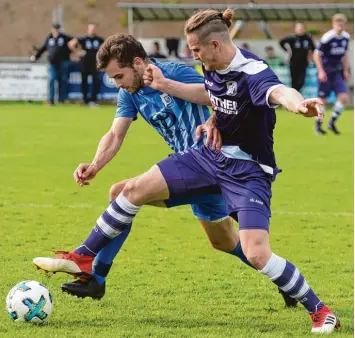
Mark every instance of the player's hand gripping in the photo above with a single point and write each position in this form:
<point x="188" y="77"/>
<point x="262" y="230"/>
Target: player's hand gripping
<point x="310" y="108"/>
<point x="213" y="134"/>
<point x="153" y="77"/>
<point x="84" y="173"/>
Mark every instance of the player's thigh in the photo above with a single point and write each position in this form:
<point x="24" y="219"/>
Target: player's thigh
<point x="324" y="88"/>
<point x="117" y="188"/>
<point x="185" y="175"/>
<point x="148" y="187"/>
<point x="245" y="186"/>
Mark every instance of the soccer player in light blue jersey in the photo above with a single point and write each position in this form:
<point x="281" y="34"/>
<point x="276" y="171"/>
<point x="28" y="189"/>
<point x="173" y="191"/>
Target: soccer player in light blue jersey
<point x="332" y="63"/>
<point x="176" y="120"/>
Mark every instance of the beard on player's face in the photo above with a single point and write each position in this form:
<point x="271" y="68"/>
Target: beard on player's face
<point x="137" y="82"/>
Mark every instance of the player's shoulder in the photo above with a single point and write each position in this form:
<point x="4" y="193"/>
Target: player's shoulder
<point x="328" y="36"/>
<point x="345" y="35"/>
<point x="124" y="95"/>
<point x="248" y="63"/>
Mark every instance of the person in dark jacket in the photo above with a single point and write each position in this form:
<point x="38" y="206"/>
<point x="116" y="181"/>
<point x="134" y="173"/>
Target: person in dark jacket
<point x="300" y="47"/>
<point x="88" y="47"/>
<point x="56" y="44"/>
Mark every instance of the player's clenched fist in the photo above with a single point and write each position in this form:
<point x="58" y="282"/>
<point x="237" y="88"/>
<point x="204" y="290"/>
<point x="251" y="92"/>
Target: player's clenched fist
<point x="153" y="77"/>
<point x="84" y="172"/>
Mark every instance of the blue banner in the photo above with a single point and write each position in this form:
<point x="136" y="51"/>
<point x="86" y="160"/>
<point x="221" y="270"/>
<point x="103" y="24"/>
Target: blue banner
<point x="108" y="90"/>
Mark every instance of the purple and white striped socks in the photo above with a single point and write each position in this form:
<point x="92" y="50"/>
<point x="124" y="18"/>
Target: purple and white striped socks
<point x="117" y="217"/>
<point x="289" y="279"/>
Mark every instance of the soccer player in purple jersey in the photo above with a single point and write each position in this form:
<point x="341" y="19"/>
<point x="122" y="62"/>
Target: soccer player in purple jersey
<point x="244" y="92"/>
<point x="332" y="63"/>
<point x="125" y="60"/>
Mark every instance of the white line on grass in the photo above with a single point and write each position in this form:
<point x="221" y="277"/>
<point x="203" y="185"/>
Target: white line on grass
<point x="90" y="206"/>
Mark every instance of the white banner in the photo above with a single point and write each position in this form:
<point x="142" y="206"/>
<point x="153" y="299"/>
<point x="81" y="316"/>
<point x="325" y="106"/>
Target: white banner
<point x="23" y="81"/>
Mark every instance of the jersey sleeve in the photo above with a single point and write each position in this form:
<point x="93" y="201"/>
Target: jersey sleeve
<point x="186" y="74"/>
<point x="68" y="38"/>
<point x="311" y="43"/>
<point x="287" y="41"/>
<point x="125" y="105"/>
<point x="42" y="49"/>
<point x="323" y="44"/>
<point x="260" y="86"/>
<point x="81" y="40"/>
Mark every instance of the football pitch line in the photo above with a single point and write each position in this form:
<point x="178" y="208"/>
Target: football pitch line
<point x="91" y="206"/>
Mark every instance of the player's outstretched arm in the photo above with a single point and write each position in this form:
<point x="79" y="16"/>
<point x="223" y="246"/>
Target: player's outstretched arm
<point x="192" y="92"/>
<point x="292" y="100"/>
<point x="108" y="147"/>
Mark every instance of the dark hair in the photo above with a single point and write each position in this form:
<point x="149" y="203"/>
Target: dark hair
<point x="121" y="47"/>
<point x="267" y="48"/>
<point x="208" y="21"/>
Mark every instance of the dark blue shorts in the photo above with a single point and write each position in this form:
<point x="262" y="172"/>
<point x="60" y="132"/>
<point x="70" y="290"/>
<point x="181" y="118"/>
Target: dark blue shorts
<point x="245" y="187"/>
<point x="334" y="82"/>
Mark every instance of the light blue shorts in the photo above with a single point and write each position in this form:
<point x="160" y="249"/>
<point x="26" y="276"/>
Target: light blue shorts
<point x="209" y="207"/>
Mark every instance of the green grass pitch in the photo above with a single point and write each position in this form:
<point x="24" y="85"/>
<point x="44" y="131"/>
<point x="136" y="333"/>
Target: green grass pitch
<point x="167" y="281"/>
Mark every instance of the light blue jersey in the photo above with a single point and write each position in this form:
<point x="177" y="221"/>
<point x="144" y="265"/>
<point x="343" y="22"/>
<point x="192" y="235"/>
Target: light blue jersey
<point x="174" y="119"/>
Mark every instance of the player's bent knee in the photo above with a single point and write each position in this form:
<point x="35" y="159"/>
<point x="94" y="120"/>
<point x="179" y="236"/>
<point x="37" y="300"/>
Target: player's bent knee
<point x="129" y="188"/>
<point x="257" y="258"/>
<point x="344" y="99"/>
<point x="116" y="189"/>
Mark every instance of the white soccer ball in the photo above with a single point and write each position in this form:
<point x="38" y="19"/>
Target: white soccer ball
<point x="29" y="301"/>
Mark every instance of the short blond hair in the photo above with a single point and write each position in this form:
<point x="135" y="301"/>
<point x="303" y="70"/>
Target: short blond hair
<point x="208" y="21"/>
<point x="339" y="17"/>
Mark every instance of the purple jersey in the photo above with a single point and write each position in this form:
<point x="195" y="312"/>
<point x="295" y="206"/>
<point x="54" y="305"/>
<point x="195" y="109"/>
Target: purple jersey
<point x="239" y="96"/>
<point x="332" y="48"/>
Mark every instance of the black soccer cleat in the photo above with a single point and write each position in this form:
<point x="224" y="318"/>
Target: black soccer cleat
<point x="333" y="128"/>
<point x="289" y="301"/>
<point x="320" y="131"/>
<point x="85" y="288"/>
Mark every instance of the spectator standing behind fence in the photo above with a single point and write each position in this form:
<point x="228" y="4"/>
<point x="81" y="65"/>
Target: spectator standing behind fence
<point x="156" y="51"/>
<point x="88" y="46"/>
<point x="272" y="59"/>
<point x="56" y="43"/>
<point x="300" y="47"/>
